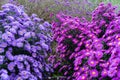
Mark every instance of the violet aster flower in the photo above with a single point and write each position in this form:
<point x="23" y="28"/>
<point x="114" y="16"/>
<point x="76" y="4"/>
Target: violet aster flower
<point x="118" y="73"/>
<point x="1" y="50"/>
<point x="92" y="63"/>
<point x="22" y="32"/>
<point x="20" y="66"/>
<point x="19" y="44"/>
<point x="11" y="66"/>
<point x="27" y="35"/>
<point x="19" y="57"/>
<point x="25" y="74"/>
<point x="13" y="30"/>
<point x="1" y="59"/>
<point x="18" y="78"/>
<point x="99" y="54"/>
<point x="3" y="44"/>
<point x="9" y="55"/>
<point x="94" y="73"/>
<point x="4" y="76"/>
<point x="82" y="77"/>
<point x="104" y="73"/>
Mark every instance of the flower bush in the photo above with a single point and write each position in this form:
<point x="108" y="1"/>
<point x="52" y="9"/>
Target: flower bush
<point x="88" y="50"/>
<point x="24" y="44"/>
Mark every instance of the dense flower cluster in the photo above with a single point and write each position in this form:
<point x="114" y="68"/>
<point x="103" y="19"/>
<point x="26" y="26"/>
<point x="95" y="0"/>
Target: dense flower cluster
<point x="89" y="50"/>
<point x="24" y="43"/>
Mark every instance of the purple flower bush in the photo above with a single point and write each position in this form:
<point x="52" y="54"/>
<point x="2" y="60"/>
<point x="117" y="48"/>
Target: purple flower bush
<point x="24" y="44"/>
<point x="88" y="50"/>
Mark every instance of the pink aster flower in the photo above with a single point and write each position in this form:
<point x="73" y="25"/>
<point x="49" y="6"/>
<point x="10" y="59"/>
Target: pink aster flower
<point x="104" y="72"/>
<point x="93" y="73"/>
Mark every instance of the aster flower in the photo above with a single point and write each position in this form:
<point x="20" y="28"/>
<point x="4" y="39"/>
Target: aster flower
<point x="94" y="73"/>
<point x="1" y="50"/>
<point x="92" y="63"/>
<point x="82" y="77"/>
<point x="1" y="59"/>
<point x="11" y="66"/>
<point x="27" y="35"/>
<point x="4" y="76"/>
<point x="104" y="73"/>
<point x="25" y="74"/>
<point x="20" y="65"/>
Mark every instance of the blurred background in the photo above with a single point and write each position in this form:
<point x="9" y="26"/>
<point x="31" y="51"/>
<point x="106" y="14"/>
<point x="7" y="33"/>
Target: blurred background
<point x="47" y="9"/>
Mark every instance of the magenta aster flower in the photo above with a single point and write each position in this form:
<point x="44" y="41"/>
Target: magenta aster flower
<point x="93" y="73"/>
<point x="104" y="72"/>
<point x="82" y="77"/>
<point x="98" y="54"/>
<point x="92" y="63"/>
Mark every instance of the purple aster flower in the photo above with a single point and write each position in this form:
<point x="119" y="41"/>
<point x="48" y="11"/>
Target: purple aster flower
<point x="4" y="76"/>
<point x="11" y="66"/>
<point x="46" y="24"/>
<point x="27" y="46"/>
<point x="35" y="64"/>
<point x="1" y="50"/>
<point x="45" y="46"/>
<point x="25" y="74"/>
<point x="118" y="73"/>
<point x="104" y="72"/>
<point x="82" y="77"/>
<point x="93" y="73"/>
<point x="3" y="45"/>
<point x="99" y="54"/>
<point x="22" y="32"/>
<point x="9" y="55"/>
<point x="40" y="75"/>
<point x="18" y="78"/>
<point x="19" y="57"/>
<point x="115" y="78"/>
<point x="1" y="59"/>
<point x="12" y="30"/>
<point x="92" y="63"/>
<point x="15" y="27"/>
<point x="7" y="27"/>
<point x="3" y="71"/>
<point x="32" y="77"/>
<point x="20" y="65"/>
<point x="41" y="27"/>
<point x="112" y="72"/>
<point x="27" y="35"/>
<point x="14" y="43"/>
<point x="11" y="18"/>
<point x="34" y="49"/>
<point x="34" y="55"/>
<point x="19" y="44"/>
<point x="36" y="70"/>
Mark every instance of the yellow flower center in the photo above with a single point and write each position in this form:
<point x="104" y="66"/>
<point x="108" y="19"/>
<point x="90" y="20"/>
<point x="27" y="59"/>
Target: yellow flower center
<point x="83" y="77"/>
<point x="92" y="62"/>
<point x="93" y="72"/>
<point x="83" y="69"/>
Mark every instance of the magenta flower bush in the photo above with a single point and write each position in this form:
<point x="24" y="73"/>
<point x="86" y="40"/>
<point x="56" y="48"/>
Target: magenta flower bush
<point x="24" y="44"/>
<point x="88" y="50"/>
